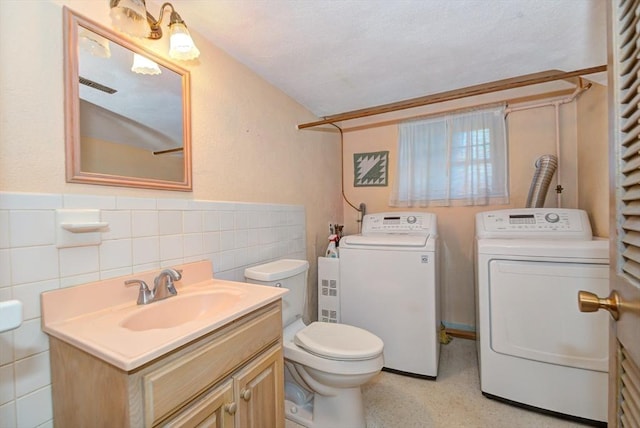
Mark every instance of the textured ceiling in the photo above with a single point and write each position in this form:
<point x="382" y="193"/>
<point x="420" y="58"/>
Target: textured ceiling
<point x="334" y="56"/>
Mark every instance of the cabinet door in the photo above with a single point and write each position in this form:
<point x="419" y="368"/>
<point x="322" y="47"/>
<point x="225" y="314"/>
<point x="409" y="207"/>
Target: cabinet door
<point x="260" y="386"/>
<point x="215" y="409"/>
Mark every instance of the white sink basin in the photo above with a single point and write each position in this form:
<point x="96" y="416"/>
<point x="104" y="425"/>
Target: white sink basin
<point x="175" y="311"/>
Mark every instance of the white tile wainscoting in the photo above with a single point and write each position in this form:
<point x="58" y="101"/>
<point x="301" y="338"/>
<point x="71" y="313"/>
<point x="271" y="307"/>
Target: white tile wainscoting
<point x="143" y="234"/>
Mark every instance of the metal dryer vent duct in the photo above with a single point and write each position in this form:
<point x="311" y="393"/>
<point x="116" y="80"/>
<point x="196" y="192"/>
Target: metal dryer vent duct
<point x="545" y="168"/>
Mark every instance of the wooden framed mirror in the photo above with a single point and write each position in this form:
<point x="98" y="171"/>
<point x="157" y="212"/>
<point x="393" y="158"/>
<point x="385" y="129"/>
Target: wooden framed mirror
<point x="123" y="128"/>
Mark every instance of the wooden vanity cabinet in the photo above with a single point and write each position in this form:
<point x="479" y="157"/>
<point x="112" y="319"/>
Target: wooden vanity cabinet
<point x="214" y="409"/>
<point x="232" y="377"/>
<point x="255" y="385"/>
<point x="248" y="400"/>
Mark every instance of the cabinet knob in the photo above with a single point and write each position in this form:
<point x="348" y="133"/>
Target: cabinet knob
<point x="231" y="408"/>
<point x="245" y="394"/>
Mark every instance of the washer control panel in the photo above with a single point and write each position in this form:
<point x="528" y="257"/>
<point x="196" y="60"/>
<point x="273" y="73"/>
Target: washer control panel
<point x="399" y="222"/>
<point x="554" y="223"/>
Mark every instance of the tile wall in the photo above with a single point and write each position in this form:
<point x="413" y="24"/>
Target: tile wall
<point x="143" y="234"/>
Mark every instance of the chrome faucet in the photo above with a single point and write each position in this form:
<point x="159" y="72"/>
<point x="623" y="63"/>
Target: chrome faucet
<point x="163" y="286"/>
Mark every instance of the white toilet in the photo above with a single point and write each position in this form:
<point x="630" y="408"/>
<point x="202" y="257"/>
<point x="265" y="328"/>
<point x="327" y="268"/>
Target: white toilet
<point x="325" y="364"/>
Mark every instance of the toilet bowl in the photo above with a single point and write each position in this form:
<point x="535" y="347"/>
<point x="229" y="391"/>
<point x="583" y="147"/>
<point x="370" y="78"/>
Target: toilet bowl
<point x="325" y="364"/>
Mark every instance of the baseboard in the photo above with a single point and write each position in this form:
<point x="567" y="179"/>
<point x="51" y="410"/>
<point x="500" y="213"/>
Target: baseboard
<point x="462" y="331"/>
<point x="461" y="334"/>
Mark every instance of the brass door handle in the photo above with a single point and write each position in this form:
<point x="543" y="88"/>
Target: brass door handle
<point x="589" y="302"/>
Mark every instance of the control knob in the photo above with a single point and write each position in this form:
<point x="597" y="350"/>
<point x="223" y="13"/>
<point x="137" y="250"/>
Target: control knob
<point x="552" y="217"/>
<point x="411" y="219"/>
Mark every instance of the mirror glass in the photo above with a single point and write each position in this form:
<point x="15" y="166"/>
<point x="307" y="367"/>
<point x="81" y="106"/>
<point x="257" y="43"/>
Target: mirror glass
<point x="123" y="128"/>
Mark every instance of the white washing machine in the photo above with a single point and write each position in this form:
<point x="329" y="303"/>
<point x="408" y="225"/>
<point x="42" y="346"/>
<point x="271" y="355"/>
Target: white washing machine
<point x="535" y="348"/>
<point x="389" y="286"/>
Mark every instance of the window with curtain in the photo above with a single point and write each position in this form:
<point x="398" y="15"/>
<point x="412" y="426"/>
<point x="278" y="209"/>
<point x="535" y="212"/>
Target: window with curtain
<point x="456" y="159"/>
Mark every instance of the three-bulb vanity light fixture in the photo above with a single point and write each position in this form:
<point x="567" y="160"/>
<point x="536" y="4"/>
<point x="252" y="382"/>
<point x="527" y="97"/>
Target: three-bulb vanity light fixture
<point x="131" y="17"/>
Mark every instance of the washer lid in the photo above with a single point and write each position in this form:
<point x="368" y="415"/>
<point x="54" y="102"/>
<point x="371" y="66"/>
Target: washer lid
<point x="339" y="341"/>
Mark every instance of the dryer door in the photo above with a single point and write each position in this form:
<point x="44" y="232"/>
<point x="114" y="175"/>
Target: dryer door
<point x="532" y="312"/>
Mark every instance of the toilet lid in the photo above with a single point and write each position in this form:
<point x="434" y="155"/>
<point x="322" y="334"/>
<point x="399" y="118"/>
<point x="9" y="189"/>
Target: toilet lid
<point x="339" y="341"/>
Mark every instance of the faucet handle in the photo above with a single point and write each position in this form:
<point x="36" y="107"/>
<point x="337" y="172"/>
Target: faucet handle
<point x="144" y="295"/>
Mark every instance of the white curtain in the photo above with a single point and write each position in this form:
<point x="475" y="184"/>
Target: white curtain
<point x="456" y="159"/>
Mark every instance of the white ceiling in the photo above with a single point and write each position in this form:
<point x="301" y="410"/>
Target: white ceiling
<point x="334" y="56"/>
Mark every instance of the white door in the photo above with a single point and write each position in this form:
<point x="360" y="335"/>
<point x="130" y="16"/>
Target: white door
<point x="624" y="142"/>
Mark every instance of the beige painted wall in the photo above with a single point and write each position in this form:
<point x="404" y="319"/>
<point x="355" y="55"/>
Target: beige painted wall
<point x="531" y="133"/>
<point x="246" y="146"/>
<point x="593" y="158"/>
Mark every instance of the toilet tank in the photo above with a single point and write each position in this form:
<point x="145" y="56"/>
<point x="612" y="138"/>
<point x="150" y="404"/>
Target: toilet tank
<point x="286" y="273"/>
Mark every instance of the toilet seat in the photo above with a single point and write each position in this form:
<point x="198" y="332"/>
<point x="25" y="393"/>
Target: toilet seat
<point x="339" y="341"/>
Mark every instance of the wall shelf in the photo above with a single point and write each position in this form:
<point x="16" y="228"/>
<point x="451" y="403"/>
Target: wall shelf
<point x="78" y="228"/>
<point x="84" y="227"/>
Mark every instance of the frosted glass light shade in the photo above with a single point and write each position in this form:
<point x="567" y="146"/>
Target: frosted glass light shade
<point x="181" y="44"/>
<point x="130" y="17"/>
<point x="143" y="65"/>
<point x="93" y="43"/>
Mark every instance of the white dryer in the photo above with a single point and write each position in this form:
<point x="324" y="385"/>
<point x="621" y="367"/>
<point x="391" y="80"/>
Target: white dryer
<point x="535" y="348"/>
<point x="389" y="286"/>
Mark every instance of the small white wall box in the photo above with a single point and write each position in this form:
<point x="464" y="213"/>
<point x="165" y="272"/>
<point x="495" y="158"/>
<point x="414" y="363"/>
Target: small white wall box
<point x="78" y="228"/>
<point x="328" y="289"/>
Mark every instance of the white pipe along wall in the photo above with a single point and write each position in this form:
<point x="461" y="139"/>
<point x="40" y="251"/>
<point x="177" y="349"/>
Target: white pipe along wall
<point x="556" y="104"/>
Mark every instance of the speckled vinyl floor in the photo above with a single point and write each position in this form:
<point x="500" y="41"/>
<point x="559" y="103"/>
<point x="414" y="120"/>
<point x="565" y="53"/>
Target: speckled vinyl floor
<point x="453" y="401"/>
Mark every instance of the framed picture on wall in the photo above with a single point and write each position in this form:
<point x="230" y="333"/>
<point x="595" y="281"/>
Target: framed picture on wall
<point x="370" y="169"/>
